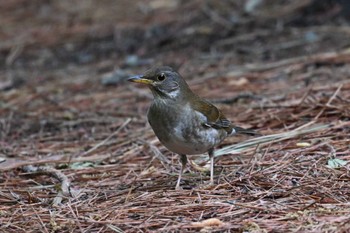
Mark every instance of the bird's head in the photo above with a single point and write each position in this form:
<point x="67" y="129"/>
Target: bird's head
<point x="164" y="82"/>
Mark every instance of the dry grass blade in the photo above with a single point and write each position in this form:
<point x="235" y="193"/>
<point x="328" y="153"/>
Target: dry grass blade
<point x="252" y="143"/>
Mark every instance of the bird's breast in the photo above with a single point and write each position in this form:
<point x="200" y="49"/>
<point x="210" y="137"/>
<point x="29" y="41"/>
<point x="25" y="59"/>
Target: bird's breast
<point x="181" y="129"/>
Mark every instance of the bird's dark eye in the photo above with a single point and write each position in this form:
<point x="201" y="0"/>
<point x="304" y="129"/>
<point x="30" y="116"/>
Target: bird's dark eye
<point x="161" y="77"/>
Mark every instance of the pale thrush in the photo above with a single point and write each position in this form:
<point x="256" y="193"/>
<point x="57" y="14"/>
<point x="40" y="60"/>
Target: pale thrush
<point x="183" y="122"/>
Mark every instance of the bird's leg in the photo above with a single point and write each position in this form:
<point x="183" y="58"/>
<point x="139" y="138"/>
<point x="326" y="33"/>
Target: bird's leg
<point x="183" y="160"/>
<point x="211" y="157"/>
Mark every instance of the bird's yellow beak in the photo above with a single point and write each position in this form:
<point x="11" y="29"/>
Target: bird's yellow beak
<point x="140" y="79"/>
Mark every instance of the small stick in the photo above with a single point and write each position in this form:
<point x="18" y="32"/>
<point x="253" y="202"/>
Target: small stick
<point x="62" y="178"/>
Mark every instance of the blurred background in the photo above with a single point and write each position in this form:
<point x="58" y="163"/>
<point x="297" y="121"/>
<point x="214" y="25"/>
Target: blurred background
<point x="200" y="35"/>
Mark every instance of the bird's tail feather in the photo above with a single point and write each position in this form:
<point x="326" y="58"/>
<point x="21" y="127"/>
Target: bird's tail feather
<point x="240" y="130"/>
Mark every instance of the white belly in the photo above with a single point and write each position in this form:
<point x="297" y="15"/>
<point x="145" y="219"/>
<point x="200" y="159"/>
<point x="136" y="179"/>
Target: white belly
<point x="200" y="143"/>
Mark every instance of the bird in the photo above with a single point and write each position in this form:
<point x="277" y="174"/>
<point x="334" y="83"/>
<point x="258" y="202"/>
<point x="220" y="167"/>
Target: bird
<point x="184" y="123"/>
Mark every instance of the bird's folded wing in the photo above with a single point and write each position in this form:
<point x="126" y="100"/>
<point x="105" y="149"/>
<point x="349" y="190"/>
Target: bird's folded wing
<point x="215" y="118"/>
<point x="221" y="123"/>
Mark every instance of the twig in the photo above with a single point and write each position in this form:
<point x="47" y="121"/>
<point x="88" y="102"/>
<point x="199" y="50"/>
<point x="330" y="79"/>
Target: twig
<point x="62" y="178"/>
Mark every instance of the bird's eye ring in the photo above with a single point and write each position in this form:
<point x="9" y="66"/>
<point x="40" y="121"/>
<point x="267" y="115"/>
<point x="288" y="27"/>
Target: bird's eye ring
<point x="161" y="77"/>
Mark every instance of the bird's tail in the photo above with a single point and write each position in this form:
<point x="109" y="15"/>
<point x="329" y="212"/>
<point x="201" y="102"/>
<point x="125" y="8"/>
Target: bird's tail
<point x="240" y="130"/>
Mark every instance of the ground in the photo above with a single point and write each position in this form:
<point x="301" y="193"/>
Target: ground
<point x="77" y="153"/>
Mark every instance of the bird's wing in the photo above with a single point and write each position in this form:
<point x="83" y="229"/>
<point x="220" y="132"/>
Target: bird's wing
<point x="215" y="118"/>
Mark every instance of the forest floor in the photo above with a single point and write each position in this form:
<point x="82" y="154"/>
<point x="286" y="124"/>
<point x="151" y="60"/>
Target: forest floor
<point x="77" y="153"/>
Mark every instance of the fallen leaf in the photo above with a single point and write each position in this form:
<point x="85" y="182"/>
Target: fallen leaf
<point x="336" y="163"/>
